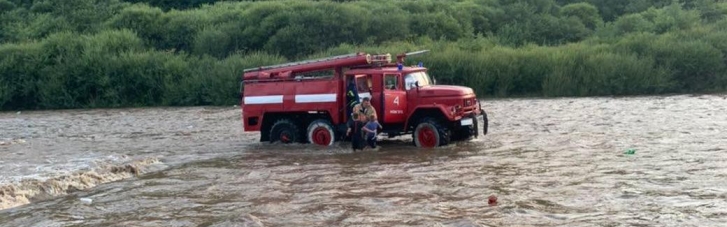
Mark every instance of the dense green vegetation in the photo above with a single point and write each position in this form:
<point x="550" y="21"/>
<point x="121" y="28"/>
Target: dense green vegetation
<point x="111" y="53"/>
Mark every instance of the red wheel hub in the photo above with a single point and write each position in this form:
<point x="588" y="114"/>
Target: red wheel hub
<point x="427" y="137"/>
<point x="284" y="137"/>
<point x="321" y="136"/>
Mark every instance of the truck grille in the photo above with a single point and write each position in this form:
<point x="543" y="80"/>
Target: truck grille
<point x="470" y="102"/>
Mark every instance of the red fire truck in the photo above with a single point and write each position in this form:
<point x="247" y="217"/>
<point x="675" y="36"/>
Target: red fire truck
<point x="305" y="101"/>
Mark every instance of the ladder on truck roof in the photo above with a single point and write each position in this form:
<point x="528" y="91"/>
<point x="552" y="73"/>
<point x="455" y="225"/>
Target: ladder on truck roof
<point x="384" y="58"/>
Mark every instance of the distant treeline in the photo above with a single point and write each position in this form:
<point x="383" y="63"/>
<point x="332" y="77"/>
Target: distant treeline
<point x="110" y="53"/>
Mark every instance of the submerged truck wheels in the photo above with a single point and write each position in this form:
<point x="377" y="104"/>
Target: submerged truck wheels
<point x="320" y="132"/>
<point x="285" y="131"/>
<point x="429" y="134"/>
<point x="467" y="132"/>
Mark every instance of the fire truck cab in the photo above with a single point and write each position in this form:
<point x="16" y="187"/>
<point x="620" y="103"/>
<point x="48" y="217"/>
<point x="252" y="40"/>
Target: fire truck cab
<point x="288" y="104"/>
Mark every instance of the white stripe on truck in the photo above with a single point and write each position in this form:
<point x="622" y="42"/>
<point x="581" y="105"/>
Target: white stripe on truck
<point x="312" y="98"/>
<point x="315" y="98"/>
<point x="266" y="99"/>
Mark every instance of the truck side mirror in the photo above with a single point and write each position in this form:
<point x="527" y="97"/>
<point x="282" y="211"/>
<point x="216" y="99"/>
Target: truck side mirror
<point x="416" y="84"/>
<point x="434" y="80"/>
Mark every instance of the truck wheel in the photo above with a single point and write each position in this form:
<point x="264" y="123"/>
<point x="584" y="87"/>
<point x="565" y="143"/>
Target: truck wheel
<point x="430" y="134"/>
<point x="485" y="123"/>
<point x="321" y="132"/>
<point x="468" y="132"/>
<point x="285" y="131"/>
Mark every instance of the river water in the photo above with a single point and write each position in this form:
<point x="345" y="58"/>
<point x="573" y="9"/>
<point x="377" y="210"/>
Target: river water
<point x="549" y="162"/>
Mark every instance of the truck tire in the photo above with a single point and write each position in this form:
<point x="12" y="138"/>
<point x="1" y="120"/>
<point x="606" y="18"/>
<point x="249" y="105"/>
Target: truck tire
<point x="468" y="133"/>
<point x="429" y="134"/>
<point x="285" y="131"/>
<point x="485" y="123"/>
<point x="320" y="132"/>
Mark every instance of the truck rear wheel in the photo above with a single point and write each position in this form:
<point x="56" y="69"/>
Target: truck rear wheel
<point x="321" y="132"/>
<point x="430" y="134"/>
<point x="285" y="131"/>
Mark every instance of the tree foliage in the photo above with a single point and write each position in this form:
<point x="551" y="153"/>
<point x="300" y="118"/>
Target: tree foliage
<point x="113" y="53"/>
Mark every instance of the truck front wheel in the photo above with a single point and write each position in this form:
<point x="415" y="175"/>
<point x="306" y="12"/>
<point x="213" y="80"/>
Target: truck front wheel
<point x="430" y="134"/>
<point x="321" y="132"/>
<point x="285" y="131"/>
<point x="485" y="124"/>
<point x="465" y="133"/>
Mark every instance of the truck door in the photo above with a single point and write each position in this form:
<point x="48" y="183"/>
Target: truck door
<point x="394" y="104"/>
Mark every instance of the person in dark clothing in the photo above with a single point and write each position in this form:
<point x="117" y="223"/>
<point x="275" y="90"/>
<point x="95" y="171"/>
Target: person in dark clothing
<point x="354" y="131"/>
<point x="352" y="98"/>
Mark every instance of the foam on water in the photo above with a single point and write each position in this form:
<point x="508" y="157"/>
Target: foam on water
<point x="35" y="188"/>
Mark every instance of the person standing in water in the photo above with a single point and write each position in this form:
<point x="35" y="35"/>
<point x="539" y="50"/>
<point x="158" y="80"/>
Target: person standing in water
<point x="354" y="131"/>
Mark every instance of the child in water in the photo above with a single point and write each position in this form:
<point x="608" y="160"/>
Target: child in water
<point x="371" y="128"/>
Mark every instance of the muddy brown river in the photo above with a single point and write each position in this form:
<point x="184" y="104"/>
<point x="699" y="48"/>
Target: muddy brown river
<point x="550" y="162"/>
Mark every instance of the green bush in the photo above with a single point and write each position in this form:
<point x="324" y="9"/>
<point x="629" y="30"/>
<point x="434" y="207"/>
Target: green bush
<point x="113" y="69"/>
<point x="87" y="53"/>
<point x="6" y="6"/>
<point x="143" y="20"/>
<point x="585" y="12"/>
<point x="19" y="69"/>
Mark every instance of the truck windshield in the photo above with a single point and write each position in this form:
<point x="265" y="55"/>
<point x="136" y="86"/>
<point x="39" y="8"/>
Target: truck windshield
<point x="420" y="77"/>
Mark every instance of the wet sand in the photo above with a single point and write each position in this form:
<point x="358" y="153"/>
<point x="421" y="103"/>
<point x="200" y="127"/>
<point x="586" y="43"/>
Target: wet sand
<point x="550" y="162"/>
